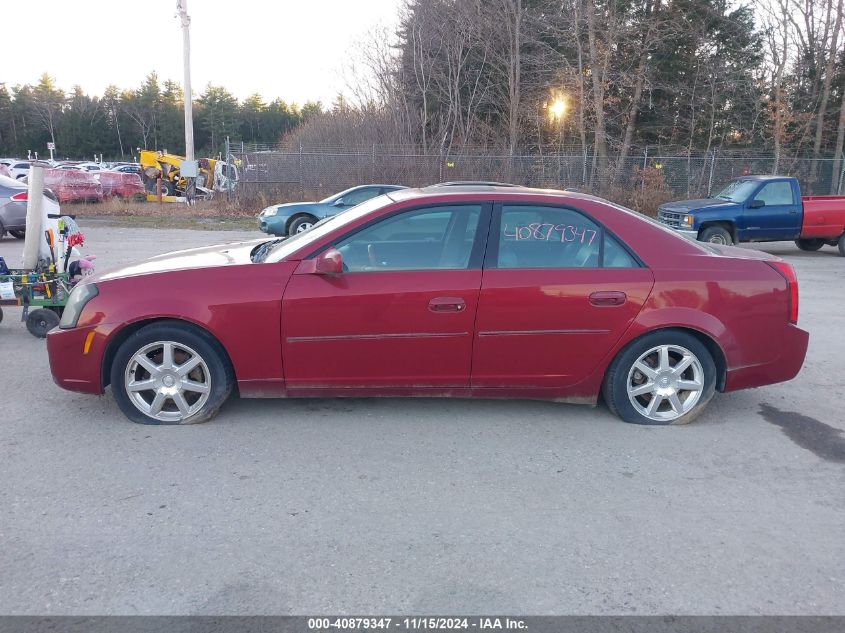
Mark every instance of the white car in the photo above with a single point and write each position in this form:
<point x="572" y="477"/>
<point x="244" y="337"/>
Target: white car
<point x="91" y="167"/>
<point x="19" y="169"/>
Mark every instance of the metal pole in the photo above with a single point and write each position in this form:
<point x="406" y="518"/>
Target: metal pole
<point x="440" y="166"/>
<point x="301" y="175"/>
<point x="34" y="236"/>
<point x="841" y="177"/>
<point x="182" y="8"/>
<point x="710" y="179"/>
<point x="226" y="160"/>
<point x="645" y="166"/>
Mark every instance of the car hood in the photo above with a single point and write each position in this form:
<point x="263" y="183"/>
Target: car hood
<point x="233" y="254"/>
<point x="703" y="204"/>
<point x="289" y="207"/>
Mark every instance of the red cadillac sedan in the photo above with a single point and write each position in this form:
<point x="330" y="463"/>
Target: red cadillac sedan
<point x="470" y="290"/>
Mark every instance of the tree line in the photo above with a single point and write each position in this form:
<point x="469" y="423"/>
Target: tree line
<point x="120" y="121"/>
<point x="607" y="77"/>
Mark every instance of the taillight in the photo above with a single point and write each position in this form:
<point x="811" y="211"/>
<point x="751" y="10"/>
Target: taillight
<point x="788" y="273"/>
<point x="19" y="197"/>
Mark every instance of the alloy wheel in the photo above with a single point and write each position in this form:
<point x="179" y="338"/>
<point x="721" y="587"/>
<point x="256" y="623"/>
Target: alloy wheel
<point x="665" y="382"/>
<point x="167" y="381"/>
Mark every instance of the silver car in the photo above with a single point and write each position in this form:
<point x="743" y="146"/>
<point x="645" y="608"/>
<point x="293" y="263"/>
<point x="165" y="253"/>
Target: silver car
<point x="13" y="194"/>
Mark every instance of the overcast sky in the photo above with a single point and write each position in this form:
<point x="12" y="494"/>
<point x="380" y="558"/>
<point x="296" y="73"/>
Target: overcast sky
<point x="293" y="49"/>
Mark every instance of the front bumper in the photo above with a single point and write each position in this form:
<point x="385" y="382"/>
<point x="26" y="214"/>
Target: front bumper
<point x="273" y="224"/>
<point x="72" y="368"/>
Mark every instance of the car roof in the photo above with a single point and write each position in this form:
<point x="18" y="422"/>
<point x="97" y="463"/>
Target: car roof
<point x="473" y="183"/>
<point x="501" y="191"/>
<point x="763" y="177"/>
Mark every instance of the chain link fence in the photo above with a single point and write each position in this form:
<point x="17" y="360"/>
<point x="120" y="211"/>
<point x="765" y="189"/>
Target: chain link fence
<point x="642" y="180"/>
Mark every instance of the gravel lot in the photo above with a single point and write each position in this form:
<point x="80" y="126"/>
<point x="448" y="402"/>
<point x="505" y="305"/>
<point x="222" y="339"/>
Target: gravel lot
<point x="423" y="506"/>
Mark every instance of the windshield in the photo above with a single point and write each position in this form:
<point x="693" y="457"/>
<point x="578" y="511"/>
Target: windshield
<point x="322" y="228"/>
<point x="335" y="196"/>
<point x="738" y="190"/>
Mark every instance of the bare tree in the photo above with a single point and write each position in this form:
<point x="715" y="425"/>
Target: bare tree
<point x="828" y="78"/>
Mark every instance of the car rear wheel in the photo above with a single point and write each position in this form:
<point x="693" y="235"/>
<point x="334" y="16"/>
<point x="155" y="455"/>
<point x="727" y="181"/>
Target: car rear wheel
<point x="665" y="377"/>
<point x="716" y="235"/>
<point x="19" y="235"/>
<point x="170" y="373"/>
<point x="841" y="245"/>
<point x="301" y="224"/>
<point x="810" y="244"/>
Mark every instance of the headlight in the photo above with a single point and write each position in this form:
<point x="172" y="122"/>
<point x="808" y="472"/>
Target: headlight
<point x="687" y="219"/>
<point x="79" y="296"/>
<point x="269" y="211"/>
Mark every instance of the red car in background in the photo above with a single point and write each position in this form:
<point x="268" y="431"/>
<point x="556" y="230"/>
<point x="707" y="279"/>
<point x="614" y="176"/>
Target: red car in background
<point x="121" y="185"/>
<point x="484" y="291"/>
<point x="72" y="185"/>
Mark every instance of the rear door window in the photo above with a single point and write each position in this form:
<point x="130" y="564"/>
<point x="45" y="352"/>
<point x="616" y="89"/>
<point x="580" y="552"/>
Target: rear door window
<point x="533" y="236"/>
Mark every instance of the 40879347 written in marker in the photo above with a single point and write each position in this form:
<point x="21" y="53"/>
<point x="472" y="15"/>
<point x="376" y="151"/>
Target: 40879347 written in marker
<point x="546" y="232"/>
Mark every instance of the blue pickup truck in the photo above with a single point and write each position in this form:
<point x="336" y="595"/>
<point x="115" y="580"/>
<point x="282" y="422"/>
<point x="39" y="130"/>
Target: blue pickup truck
<point x="760" y="209"/>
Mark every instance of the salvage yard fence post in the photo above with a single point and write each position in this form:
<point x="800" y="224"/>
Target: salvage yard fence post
<point x="301" y="175"/>
<point x="841" y="176"/>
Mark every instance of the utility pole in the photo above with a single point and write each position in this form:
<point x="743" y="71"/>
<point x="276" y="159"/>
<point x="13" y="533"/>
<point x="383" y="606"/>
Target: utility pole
<point x="189" y="171"/>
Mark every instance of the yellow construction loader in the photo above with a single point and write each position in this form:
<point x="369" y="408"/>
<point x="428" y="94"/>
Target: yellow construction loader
<point x="213" y="175"/>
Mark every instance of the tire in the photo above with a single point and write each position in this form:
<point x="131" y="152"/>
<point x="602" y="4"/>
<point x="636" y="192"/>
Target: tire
<point x="810" y="244"/>
<point x="716" y="235"/>
<point x="18" y="235"/>
<point x="40" y="321"/>
<point x="841" y="245"/>
<point x="645" y="352"/>
<point x="1" y="315"/>
<point x="300" y="224"/>
<point x="167" y="188"/>
<point x="175" y="403"/>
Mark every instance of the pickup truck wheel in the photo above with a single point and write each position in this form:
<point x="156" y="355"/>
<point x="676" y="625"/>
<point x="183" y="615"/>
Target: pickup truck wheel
<point x="842" y="245"/>
<point x="809" y="244"/>
<point x="716" y="235"/>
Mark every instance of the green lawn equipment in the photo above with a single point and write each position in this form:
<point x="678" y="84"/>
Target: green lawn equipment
<point x="43" y="296"/>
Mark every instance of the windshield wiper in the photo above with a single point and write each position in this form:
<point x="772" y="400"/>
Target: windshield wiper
<point x="260" y="252"/>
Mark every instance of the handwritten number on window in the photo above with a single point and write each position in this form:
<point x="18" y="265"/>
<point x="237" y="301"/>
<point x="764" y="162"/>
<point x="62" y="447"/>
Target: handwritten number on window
<point x="547" y="232"/>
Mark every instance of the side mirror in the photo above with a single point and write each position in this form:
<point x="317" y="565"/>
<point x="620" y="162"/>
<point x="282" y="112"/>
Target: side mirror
<point x="329" y="262"/>
<point x="756" y="204"/>
<point x="338" y="203"/>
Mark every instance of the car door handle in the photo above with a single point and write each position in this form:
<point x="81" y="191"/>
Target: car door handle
<point x="447" y="304"/>
<point x="608" y="298"/>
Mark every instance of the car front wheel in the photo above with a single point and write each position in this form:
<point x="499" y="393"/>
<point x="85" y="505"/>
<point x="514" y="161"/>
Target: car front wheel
<point x="170" y="373"/>
<point x="665" y="377"/>
<point x="301" y="224"/>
